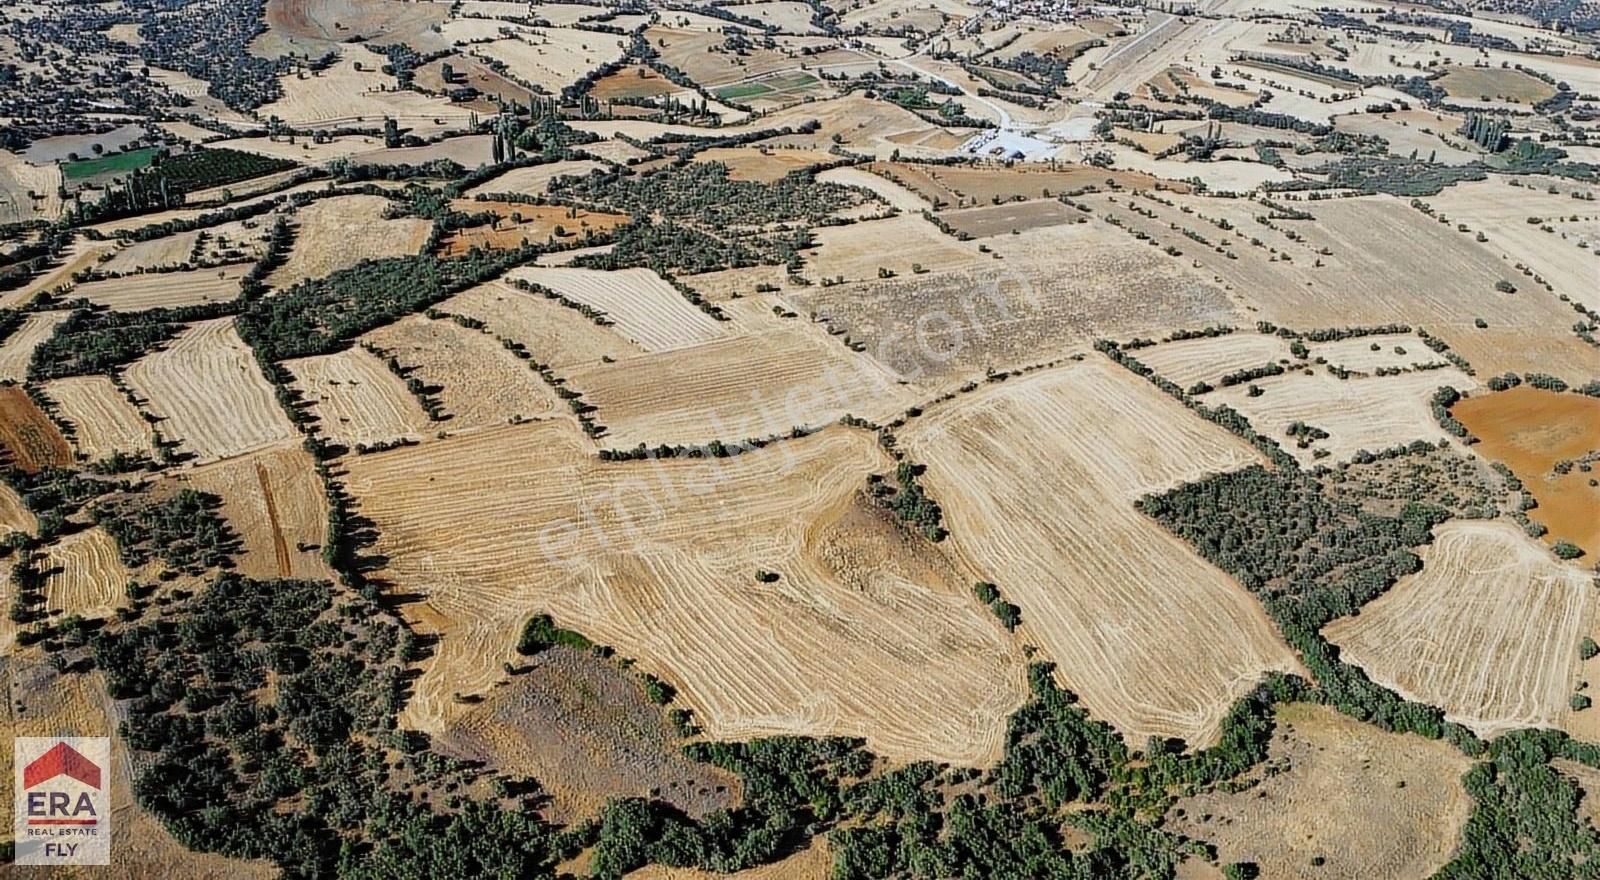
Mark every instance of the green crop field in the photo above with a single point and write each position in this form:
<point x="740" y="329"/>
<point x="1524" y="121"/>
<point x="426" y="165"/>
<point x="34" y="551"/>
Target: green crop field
<point x="743" y="90"/>
<point x="112" y="164"/>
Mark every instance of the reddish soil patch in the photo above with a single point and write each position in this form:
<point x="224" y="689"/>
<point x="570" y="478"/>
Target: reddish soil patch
<point x="633" y="82"/>
<point x="27" y="436"/>
<point x="1530" y="431"/>
<point x="584" y="728"/>
<point x="535" y="223"/>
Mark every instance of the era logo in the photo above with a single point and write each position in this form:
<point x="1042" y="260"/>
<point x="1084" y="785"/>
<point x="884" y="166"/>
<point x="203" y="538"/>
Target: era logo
<point x="62" y="801"/>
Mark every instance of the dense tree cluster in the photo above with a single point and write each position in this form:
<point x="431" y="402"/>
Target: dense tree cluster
<point x="186" y="530"/>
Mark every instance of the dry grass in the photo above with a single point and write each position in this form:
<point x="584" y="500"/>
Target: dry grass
<point x="520" y="223"/>
<point x="210" y="393"/>
<point x="103" y="420"/>
<point x="659" y="558"/>
<point x="479" y="381"/>
<point x="1491" y="83"/>
<point x="133" y="293"/>
<point x="1367" y="354"/>
<point x="1010" y="217"/>
<point x="339" y="233"/>
<point x="1488" y="630"/>
<point x="1369" y="803"/>
<point x="274" y="501"/>
<point x="738" y="387"/>
<point x="1038" y="502"/>
<point x="767" y="165"/>
<point x="643" y="307"/>
<point x="811" y="863"/>
<point x="356" y="399"/>
<point x="584" y="728"/>
<point x="1052" y="290"/>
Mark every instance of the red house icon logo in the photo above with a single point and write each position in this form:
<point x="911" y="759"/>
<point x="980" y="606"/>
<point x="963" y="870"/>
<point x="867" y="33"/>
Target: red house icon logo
<point x="61" y="760"/>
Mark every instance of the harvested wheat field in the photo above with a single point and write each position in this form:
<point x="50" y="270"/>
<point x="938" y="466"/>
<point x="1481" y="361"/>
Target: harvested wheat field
<point x="132" y="293"/>
<point x="274" y="502"/>
<point x="768" y="381"/>
<point x="1038" y="503"/>
<point x="340" y="232"/>
<point x="658" y="559"/>
<point x="16" y="350"/>
<point x="103" y="420"/>
<point x="1368" y="354"/>
<point x="14" y="515"/>
<point x="1209" y="358"/>
<point x="1372" y="413"/>
<point x="1531" y="431"/>
<point x="642" y="306"/>
<point x="583" y="727"/>
<point x="551" y="332"/>
<point x="84" y="574"/>
<point x="1487" y="631"/>
<point x="905" y="245"/>
<point x="1364" y="802"/>
<point x="209" y="394"/>
<point x="478" y="381"/>
<point x="28" y="439"/>
<point x="533" y="179"/>
<point x="356" y="400"/>
<point x="341" y="96"/>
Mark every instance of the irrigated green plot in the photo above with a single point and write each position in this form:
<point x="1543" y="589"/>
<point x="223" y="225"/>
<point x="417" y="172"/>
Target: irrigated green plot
<point x="112" y="164"/>
<point x="743" y="90"/>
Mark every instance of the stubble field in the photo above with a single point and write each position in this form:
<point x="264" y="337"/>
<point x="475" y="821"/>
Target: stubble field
<point x="1040" y="505"/>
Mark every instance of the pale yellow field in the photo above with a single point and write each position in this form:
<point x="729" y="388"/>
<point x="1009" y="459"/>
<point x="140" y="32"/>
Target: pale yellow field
<point x="226" y="242"/>
<point x="643" y="307"/>
<point x="1487" y="631"/>
<point x="342" y="95"/>
<point x="341" y="232"/>
<point x="274" y="501"/>
<point x="14" y="515"/>
<point x="1400" y="350"/>
<point x="533" y="179"/>
<point x="552" y="57"/>
<point x="659" y="560"/>
<point x="898" y="244"/>
<point x="104" y="420"/>
<point x="1188" y="361"/>
<point x="891" y="192"/>
<point x="20" y="182"/>
<point x="85" y="574"/>
<point x="133" y="293"/>
<point x="1155" y="640"/>
<point x="766" y="381"/>
<point x="16" y="350"/>
<point x="1359" y="413"/>
<point x="1369" y="803"/>
<point x="210" y="393"/>
<point x="356" y="398"/>
<point x="482" y="383"/>
<point x="552" y="333"/>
